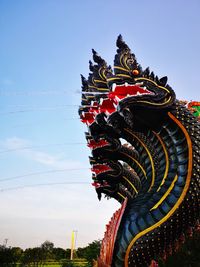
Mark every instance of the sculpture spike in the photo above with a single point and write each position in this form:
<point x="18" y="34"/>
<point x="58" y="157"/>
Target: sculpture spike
<point x="146" y="72"/>
<point x="157" y="79"/>
<point x="83" y="79"/>
<point x="125" y="62"/>
<point x="110" y="68"/>
<point x="121" y="44"/>
<point x="139" y="67"/>
<point x="91" y="66"/>
<point x="84" y="83"/>
<point x="152" y="76"/>
<point x="163" y="80"/>
<point x="97" y="58"/>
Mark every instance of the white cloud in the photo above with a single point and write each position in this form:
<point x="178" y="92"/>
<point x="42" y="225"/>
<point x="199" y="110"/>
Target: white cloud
<point x="23" y="148"/>
<point x="7" y="82"/>
<point x="47" y="159"/>
<point x="57" y="211"/>
<point x="44" y="158"/>
<point x="15" y="143"/>
<point x="51" y="212"/>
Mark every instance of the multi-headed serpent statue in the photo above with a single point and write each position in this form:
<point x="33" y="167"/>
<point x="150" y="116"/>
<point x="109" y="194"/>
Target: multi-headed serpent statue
<point x="146" y="154"/>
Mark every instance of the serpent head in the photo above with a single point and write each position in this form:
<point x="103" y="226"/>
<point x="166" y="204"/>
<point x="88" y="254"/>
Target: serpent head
<point x="138" y="94"/>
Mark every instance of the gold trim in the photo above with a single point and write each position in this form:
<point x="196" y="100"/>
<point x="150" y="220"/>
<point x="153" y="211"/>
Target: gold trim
<point x="123" y="75"/>
<point x="150" y="157"/>
<point x="121" y="195"/>
<point x="166" y="194"/>
<point x="120" y="59"/>
<point x="89" y="96"/>
<point x="100" y="74"/>
<point x="132" y="185"/>
<point x="167" y="160"/>
<point x="114" y="78"/>
<point x="98" y="88"/>
<point x="143" y="170"/>
<point x="155" y="104"/>
<point x="106" y="90"/>
<point x="181" y="198"/>
<point x="100" y="81"/>
<point x="125" y="62"/>
<point x="103" y="73"/>
<point x="163" y="88"/>
<point x="120" y="68"/>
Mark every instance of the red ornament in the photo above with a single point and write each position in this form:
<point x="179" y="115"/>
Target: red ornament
<point x="135" y="72"/>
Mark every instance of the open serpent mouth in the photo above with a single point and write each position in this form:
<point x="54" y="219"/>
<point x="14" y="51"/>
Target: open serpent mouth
<point x="121" y="91"/>
<point x="100" y="168"/>
<point x="97" y="144"/>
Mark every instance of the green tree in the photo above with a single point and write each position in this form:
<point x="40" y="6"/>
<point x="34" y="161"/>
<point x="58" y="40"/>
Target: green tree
<point x="60" y="253"/>
<point x="47" y="250"/>
<point x="17" y="253"/>
<point x="91" y="252"/>
<point x="32" y="257"/>
<point x="10" y="256"/>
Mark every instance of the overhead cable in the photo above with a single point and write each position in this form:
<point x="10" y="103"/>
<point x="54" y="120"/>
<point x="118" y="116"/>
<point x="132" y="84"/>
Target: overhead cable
<point x="41" y="172"/>
<point x="39" y="185"/>
<point x="39" y="146"/>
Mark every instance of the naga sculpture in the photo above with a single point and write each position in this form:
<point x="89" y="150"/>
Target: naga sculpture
<point x="145" y="148"/>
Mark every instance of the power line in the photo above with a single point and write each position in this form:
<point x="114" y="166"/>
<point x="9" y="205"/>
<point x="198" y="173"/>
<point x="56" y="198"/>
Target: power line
<point x="38" y="109"/>
<point x="39" y="146"/>
<point x="30" y="106"/>
<point x="48" y="92"/>
<point x="37" y="92"/>
<point x="41" y="172"/>
<point x="44" y="184"/>
<point x="42" y="122"/>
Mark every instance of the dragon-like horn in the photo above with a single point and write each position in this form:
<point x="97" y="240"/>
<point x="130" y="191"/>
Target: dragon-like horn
<point x="97" y="58"/>
<point x="121" y="44"/>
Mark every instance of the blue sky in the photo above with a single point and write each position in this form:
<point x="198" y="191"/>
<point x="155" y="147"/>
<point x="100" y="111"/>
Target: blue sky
<point x="44" y="47"/>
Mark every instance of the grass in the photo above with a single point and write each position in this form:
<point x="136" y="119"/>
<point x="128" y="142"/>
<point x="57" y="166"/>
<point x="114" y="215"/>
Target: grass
<point x="75" y="264"/>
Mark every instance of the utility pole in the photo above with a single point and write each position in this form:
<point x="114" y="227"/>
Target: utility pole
<point x="5" y="242"/>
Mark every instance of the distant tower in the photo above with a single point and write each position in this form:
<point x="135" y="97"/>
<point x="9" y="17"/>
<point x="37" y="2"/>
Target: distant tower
<point x="5" y="242"/>
<point x="73" y="243"/>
